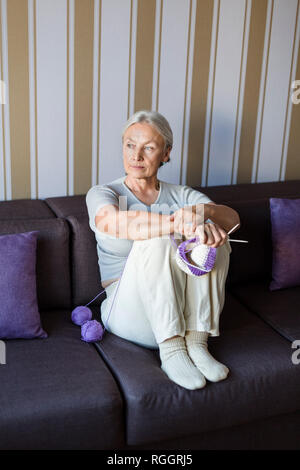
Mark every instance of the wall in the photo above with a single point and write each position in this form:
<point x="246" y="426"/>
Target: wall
<point x="75" y="70"/>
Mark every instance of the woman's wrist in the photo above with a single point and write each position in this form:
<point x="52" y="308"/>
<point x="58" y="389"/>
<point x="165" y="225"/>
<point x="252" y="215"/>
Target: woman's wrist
<point x="167" y="224"/>
<point x="206" y="210"/>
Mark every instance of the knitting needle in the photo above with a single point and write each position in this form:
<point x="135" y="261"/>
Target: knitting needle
<point x="229" y="239"/>
<point x="232" y="240"/>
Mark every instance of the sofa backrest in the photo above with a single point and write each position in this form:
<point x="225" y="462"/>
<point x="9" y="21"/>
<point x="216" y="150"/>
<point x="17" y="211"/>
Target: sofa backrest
<point x="53" y="260"/>
<point x="253" y="260"/>
<point x="25" y="209"/>
<point x="224" y="194"/>
<point x="86" y="282"/>
<point x="85" y="274"/>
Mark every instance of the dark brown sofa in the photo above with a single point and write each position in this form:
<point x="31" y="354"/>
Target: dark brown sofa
<point x="63" y="393"/>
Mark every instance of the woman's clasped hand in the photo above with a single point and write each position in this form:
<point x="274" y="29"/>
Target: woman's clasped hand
<point x="190" y="222"/>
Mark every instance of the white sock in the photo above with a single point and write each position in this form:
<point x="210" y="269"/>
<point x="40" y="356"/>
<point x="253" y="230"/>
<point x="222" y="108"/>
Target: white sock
<point x="177" y="364"/>
<point x="196" y="343"/>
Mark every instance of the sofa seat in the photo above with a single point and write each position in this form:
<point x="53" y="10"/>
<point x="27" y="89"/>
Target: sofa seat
<point x="57" y="393"/>
<point x="280" y="308"/>
<point x="262" y="383"/>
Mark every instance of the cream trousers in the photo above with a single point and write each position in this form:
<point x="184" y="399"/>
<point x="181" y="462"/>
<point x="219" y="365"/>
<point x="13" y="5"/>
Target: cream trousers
<point x="155" y="300"/>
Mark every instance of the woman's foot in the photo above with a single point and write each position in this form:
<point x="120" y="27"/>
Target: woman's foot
<point x="196" y="343"/>
<point x="177" y="364"/>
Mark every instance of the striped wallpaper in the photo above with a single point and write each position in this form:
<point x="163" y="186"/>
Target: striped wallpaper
<point x="221" y="71"/>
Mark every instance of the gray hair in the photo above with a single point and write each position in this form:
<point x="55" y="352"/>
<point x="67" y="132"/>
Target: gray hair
<point x="155" y="119"/>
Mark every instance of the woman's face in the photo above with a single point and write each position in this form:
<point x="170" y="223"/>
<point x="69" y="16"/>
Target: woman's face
<point x="143" y="150"/>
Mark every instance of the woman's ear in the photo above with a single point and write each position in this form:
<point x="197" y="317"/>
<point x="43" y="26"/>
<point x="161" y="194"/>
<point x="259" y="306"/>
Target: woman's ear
<point x="167" y="154"/>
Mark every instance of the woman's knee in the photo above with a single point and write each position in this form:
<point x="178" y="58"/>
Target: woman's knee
<point x="155" y="246"/>
<point x="223" y="254"/>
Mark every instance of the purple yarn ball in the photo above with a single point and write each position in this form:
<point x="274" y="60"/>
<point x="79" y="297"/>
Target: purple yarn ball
<point x="81" y="314"/>
<point x="91" y="331"/>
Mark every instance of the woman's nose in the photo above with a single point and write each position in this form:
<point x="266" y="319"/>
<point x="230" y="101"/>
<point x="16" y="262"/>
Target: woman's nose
<point x="136" y="154"/>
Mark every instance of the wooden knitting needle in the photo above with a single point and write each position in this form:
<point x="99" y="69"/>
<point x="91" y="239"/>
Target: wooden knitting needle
<point x="233" y="240"/>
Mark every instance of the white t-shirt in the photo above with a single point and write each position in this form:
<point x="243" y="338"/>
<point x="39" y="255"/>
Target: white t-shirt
<point x="112" y="251"/>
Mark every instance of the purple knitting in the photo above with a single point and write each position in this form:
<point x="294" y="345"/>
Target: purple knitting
<point x="209" y="262"/>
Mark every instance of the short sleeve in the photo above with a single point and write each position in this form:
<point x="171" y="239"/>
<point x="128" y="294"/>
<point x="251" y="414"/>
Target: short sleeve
<point x="97" y="197"/>
<point x="192" y="196"/>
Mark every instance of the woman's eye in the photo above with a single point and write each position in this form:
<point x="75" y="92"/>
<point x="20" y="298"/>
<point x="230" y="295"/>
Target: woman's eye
<point x="149" y="148"/>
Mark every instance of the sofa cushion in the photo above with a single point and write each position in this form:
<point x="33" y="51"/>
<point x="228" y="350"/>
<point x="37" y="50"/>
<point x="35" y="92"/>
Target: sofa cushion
<point x="279" y="432"/>
<point x="25" y="209"/>
<point x="279" y="309"/>
<point x="64" y="206"/>
<point x="262" y="382"/>
<point x="19" y="313"/>
<point x="53" y="268"/>
<point x="58" y="393"/>
<point x="244" y="191"/>
<point x="86" y="282"/>
<point x="285" y="219"/>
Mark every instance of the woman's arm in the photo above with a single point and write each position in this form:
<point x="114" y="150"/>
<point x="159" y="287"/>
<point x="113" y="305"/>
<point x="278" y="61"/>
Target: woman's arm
<point x="191" y="221"/>
<point x="222" y="215"/>
<point x="141" y="225"/>
<point x="198" y="214"/>
<point x="133" y="225"/>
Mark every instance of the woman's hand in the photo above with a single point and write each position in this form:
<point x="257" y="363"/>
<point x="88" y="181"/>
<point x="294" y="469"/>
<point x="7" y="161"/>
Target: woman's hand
<point x="187" y="219"/>
<point x="211" y="234"/>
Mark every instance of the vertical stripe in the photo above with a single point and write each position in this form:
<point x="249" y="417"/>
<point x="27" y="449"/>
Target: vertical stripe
<point x="70" y="97"/>
<point x="251" y="95"/>
<point x="96" y="78"/>
<point x="157" y="51"/>
<point x="6" y="113"/>
<point x="67" y="96"/>
<point x="132" y="55"/>
<point x="289" y="100"/>
<point x="241" y="91"/>
<point x="277" y="85"/>
<point x="262" y="90"/>
<point x="83" y="95"/>
<point x="32" y="96"/>
<point x="2" y="147"/>
<point x="113" y="96"/>
<point x="35" y="103"/>
<point x="172" y="78"/>
<point x="203" y="36"/>
<point x="129" y="58"/>
<point x="188" y="90"/>
<point x="226" y="90"/>
<point x="144" y="54"/>
<point x="17" y="39"/>
<point x="211" y="85"/>
<point x="292" y="169"/>
<point x="51" y="101"/>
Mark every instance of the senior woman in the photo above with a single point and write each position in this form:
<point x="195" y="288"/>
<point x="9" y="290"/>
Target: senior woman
<point x="150" y="300"/>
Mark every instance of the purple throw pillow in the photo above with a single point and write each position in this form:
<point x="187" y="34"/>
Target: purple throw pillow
<point x="19" y="314"/>
<point x="285" y="219"/>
